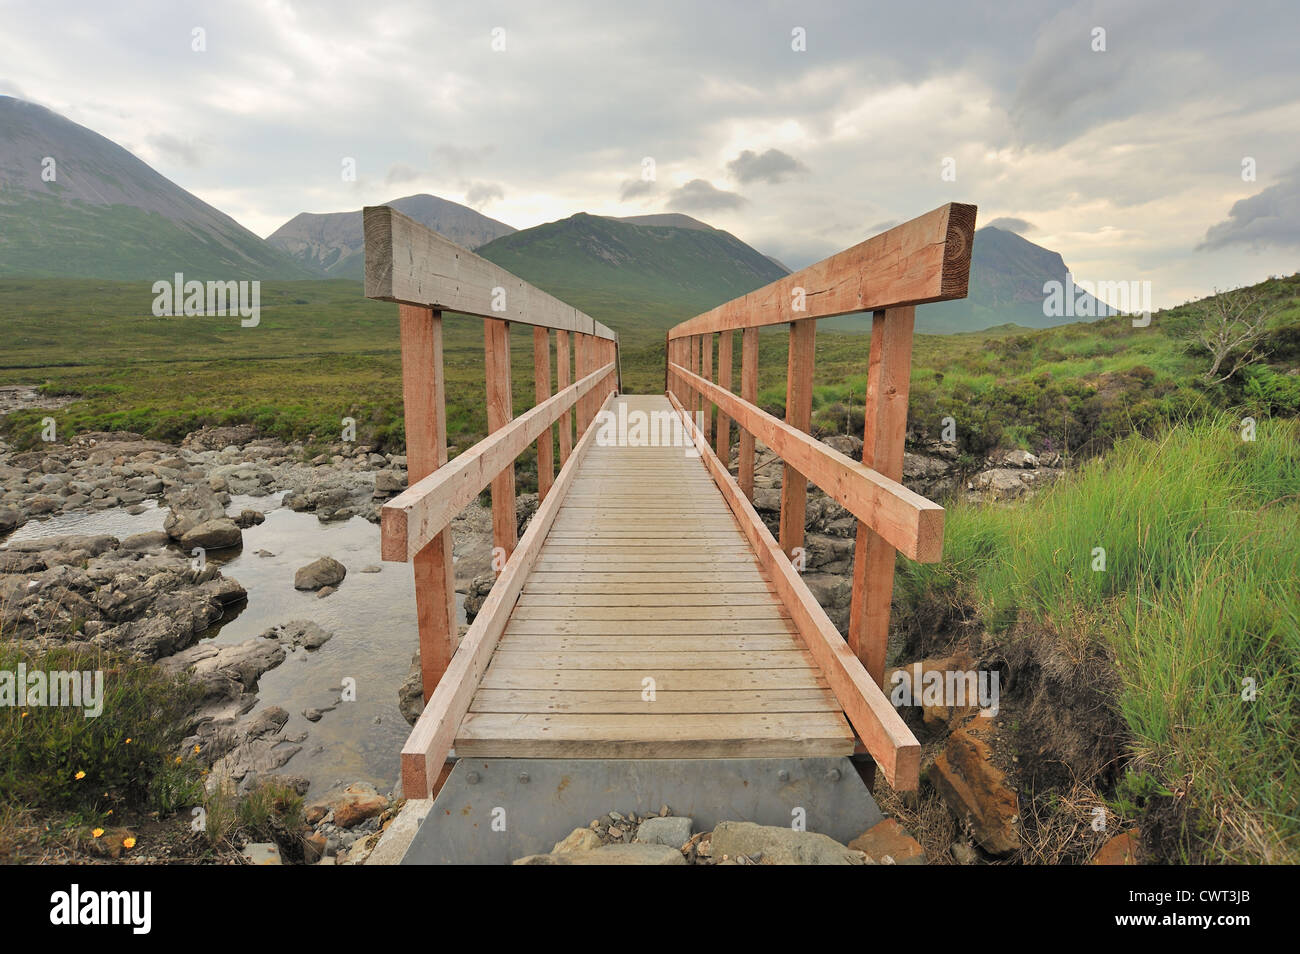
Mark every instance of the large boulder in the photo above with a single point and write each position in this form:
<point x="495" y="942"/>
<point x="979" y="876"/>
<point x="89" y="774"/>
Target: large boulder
<point x="780" y="846"/>
<point x="189" y="507"/>
<point x="325" y="571"/>
<point x="217" y="534"/>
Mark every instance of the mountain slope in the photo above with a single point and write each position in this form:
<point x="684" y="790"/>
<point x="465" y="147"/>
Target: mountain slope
<point x="333" y="243"/>
<point x="106" y="214"/>
<point x="635" y="278"/>
<point x="1006" y="286"/>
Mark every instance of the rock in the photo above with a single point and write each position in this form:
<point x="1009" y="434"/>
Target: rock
<point x="352" y="806"/>
<point x="146" y="541"/>
<point x="906" y="686"/>
<point x="10" y="519"/>
<point x="975" y="790"/>
<point x="300" y="632"/>
<point x="313" y="848"/>
<point x="1019" y="458"/>
<point x="325" y="571"/>
<point x="190" y="507"/>
<point x="250" y="518"/>
<point x="313" y="715"/>
<point x="215" y="534"/>
<point x="633" y="854"/>
<point x="372" y="568"/>
<point x="673" y="831"/>
<point x="389" y="482"/>
<point x="963" y="853"/>
<point x="1123" y="849"/>
<point x="410" y="695"/>
<point x="580" y="839"/>
<point x="262" y="853"/>
<point x="889" y="843"/>
<point x="780" y="846"/>
<point x="999" y="483"/>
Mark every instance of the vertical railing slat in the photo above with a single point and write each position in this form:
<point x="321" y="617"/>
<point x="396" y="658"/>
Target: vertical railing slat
<point x="563" y="362"/>
<point x="706" y="372"/>
<point x="496" y="346"/>
<point x="425" y="410"/>
<point x="542" y="391"/>
<point x="748" y="392"/>
<point x="724" y="380"/>
<point x="798" y="413"/>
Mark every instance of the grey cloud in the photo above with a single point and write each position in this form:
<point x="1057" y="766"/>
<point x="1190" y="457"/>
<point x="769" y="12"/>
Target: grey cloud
<point x="479" y="194"/>
<point x="401" y="172"/>
<point x="632" y="188"/>
<point x="457" y="158"/>
<point x="772" y="166"/>
<point x="1270" y="217"/>
<point x="1011" y="224"/>
<point x="699" y="195"/>
<point x="882" y="227"/>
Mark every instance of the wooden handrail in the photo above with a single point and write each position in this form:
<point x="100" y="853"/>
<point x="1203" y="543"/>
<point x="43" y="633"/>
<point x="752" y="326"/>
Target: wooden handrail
<point x="924" y="260"/>
<point x="881" y="729"/>
<point x="427" y="275"/>
<point x="907" y="520"/>
<point x="418" y="514"/>
<point x="407" y="262"/>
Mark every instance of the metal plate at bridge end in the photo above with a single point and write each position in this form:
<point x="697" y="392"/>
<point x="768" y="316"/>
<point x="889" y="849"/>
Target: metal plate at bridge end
<point x="492" y="811"/>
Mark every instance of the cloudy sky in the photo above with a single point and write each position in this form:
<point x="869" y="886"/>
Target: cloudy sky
<point x="1173" y="155"/>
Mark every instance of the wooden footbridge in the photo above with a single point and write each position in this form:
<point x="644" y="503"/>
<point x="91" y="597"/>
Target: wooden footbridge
<point x="647" y="612"/>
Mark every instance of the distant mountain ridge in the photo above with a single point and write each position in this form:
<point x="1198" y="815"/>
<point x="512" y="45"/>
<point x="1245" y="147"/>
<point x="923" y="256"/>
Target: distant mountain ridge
<point x="1006" y="286"/>
<point x="73" y="203"/>
<point x="634" y="272"/>
<point x="333" y="243"/>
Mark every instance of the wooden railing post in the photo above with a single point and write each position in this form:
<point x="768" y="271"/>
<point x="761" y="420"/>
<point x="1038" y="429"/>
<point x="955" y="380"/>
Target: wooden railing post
<point x="542" y="390"/>
<point x="724" y="380"/>
<point x="696" y="399"/>
<point x="496" y="344"/>
<point x="749" y="393"/>
<point x="563" y="362"/>
<point x="798" y="413"/>
<point x="889" y="372"/>
<point x="706" y="346"/>
<point x="425" y="411"/>
<point x="584" y="362"/>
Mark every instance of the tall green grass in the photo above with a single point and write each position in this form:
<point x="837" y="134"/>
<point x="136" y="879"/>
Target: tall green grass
<point x="1198" y="604"/>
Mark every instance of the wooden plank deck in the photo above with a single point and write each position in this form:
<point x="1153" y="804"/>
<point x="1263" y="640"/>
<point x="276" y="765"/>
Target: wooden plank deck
<point x="646" y="575"/>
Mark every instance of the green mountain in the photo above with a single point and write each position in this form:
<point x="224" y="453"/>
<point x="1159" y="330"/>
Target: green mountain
<point x="333" y="243"/>
<point x="73" y="203"/>
<point x="636" y="278"/>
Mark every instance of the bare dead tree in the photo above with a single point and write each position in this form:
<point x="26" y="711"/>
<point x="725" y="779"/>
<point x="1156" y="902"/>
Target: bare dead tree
<point x="1232" y="326"/>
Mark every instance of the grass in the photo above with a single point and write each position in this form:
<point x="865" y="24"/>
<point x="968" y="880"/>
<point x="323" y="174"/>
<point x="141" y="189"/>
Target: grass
<point x="1198" y="607"/>
<point x="323" y="352"/>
